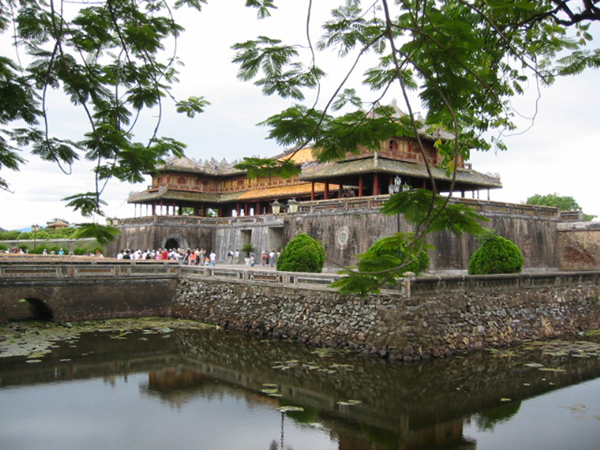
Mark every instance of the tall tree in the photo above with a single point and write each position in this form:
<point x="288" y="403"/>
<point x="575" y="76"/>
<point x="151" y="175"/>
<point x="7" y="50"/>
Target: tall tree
<point x="463" y="60"/>
<point x="108" y="58"/>
<point x="562" y="202"/>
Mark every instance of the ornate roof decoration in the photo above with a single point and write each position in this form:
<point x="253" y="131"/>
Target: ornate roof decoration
<point x="208" y="167"/>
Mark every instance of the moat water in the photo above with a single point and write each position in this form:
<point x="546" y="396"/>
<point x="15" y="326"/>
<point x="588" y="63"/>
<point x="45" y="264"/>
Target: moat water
<point x="217" y="389"/>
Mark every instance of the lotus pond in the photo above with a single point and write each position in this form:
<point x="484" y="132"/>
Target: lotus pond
<point x="157" y="384"/>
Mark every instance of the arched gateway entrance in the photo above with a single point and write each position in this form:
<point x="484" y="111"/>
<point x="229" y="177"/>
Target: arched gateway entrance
<point x="174" y="241"/>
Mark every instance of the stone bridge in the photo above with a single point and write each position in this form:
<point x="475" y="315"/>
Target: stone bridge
<point x="69" y="291"/>
<point x="75" y="289"/>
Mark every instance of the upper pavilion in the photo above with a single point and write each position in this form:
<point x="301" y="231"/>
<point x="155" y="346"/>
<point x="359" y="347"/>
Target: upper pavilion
<point x="199" y="186"/>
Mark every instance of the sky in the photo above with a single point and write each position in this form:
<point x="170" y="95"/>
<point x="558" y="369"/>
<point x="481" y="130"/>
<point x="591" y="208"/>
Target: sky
<point x="553" y="151"/>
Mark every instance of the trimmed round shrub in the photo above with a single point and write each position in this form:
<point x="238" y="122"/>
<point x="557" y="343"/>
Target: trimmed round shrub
<point x="496" y="255"/>
<point x="302" y="254"/>
<point x="381" y="248"/>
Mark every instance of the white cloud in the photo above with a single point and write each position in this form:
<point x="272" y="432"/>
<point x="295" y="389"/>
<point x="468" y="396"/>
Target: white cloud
<point x="559" y="152"/>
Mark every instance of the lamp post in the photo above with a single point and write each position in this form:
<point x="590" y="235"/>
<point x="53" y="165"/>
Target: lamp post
<point x="293" y="205"/>
<point x="35" y="228"/>
<point x="396" y="186"/>
<point x="276" y="207"/>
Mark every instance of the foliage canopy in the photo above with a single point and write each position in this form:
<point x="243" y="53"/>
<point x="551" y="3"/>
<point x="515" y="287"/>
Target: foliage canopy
<point x="563" y="203"/>
<point x="108" y="59"/>
<point x="383" y="263"/>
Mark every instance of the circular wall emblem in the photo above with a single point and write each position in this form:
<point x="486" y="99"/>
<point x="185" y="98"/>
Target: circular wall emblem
<point x="342" y="237"/>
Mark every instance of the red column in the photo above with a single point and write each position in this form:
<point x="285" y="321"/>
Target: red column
<point x="375" y="183"/>
<point x="326" y="193"/>
<point x="360" y="185"/>
<point x="312" y="191"/>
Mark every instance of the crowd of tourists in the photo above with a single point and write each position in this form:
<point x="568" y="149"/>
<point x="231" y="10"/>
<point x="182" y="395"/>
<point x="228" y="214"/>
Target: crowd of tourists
<point x="195" y="257"/>
<point x="190" y="256"/>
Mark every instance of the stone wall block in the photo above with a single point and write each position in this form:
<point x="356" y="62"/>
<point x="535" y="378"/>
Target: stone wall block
<point x="392" y="325"/>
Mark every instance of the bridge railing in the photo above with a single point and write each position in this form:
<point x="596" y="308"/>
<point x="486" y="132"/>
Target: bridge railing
<point x="24" y="269"/>
<point x="31" y="270"/>
<point x="256" y="275"/>
<point x="18" y="270"/>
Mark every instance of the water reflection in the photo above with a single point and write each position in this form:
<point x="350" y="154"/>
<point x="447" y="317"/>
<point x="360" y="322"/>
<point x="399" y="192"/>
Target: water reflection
<point x="216" y="389"/>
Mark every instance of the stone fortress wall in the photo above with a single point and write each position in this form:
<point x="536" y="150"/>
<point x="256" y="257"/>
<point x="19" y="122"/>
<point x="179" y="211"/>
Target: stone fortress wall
<point x="347" y="227"/>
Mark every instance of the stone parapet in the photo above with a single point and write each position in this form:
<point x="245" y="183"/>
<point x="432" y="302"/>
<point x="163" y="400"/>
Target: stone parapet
<point x="439" y="323"/>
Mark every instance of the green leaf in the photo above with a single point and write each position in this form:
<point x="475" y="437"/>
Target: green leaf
<point x="255" y="167"/>
<point x="263" y="54"/>
<point x="103" y="234"/>
<point x="263" y="7"/>
<point x="86" y="203"/>
<point x="192" y="106"/>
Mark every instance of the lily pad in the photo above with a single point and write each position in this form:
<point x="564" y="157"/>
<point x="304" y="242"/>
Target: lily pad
<point x="269" y="391"/>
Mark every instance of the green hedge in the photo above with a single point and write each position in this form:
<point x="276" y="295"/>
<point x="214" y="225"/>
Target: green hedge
<point x="496" y="255"/>
<point x="302" y="254"/>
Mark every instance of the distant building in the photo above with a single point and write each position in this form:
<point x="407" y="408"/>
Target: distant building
<point x="57" y="223"/>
